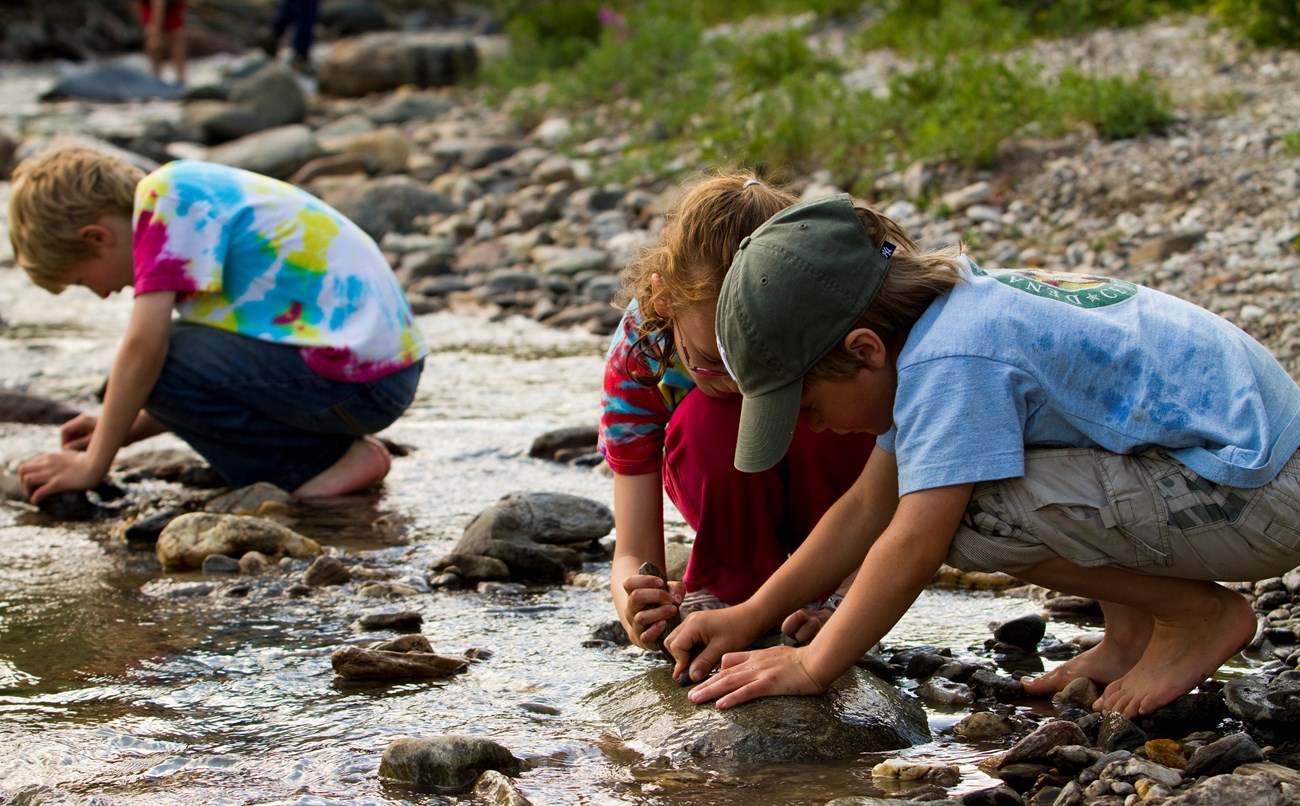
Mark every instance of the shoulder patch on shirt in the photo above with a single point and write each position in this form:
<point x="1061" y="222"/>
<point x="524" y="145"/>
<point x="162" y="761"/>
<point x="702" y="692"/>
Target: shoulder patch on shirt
<point x="1079" y="290"/>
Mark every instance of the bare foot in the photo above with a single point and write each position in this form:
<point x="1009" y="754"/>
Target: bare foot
<point x="366" y="462"/>
<point x="1127" y="632"/>
<point x="1182" y="653"/>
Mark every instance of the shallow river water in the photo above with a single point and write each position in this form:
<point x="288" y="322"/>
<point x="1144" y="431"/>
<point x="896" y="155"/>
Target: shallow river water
<point x="116" y="681"/>
<point x="122" y="684"/>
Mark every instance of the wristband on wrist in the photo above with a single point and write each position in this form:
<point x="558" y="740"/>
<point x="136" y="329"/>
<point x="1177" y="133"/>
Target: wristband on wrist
<point x="832" y="602"/>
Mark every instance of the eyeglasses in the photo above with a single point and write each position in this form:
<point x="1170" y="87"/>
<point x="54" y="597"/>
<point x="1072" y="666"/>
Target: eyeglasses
<point x="685" y="355"/>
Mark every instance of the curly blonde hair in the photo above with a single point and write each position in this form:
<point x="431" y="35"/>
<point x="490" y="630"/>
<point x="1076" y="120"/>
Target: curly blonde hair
<point x="53" y="195"/>
<point x="693" y="254"/>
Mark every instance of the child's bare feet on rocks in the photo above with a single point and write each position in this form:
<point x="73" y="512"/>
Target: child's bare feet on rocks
<point x="1127" y="632"/>
<point x="365" y="464"/>
<point x="1182" y="653"/>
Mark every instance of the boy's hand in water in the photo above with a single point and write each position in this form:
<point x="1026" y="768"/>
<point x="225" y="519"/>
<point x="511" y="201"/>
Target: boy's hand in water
<point x="76" y="433"/>
<point x="705" y="636"/>
<point x="650" y="606"/>
<point x="55" y="472"/>
<point x="762" y="673"/>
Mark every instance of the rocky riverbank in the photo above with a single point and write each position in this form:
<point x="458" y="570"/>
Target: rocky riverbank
<point x="477" y="213"/>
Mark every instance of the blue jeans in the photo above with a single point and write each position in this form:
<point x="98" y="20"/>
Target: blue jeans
<point x="256" y="412"/>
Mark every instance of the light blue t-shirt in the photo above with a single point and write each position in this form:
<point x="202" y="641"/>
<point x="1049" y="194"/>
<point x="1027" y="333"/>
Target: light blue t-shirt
<point x="1031" y="358"/>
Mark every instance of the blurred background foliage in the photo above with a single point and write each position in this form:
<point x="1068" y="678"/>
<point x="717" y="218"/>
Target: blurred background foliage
<point x="717" y="82"/>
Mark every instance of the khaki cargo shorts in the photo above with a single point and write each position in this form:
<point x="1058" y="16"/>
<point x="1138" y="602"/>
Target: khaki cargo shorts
<point x="1143" y="512"/>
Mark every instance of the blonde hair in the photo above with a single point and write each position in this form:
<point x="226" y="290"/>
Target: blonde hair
<point x="56" y="193"/>
<point x="915" y="278"/>
<point x="692" y="256"/>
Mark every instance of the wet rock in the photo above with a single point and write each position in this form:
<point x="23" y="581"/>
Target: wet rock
<point x="472" y="568"/>
<point x="192" y="536"/>
<point x="326" y="570"/>
<point x="144" y="533"/>
<point x="402" y="620"/>
<point x="531" y="533"/>
<point x="563" y="443"/>
<point x="411" y="642"/>
<point x="70" y="505"/>
<point x="859" y="714"/>
<point x="987" y="684"/>
<point x="496" y="789"/>
<point x="247" y="500"/>
<point x="1224" y="756"/>
<point x="910" y="770"/>
<point x="19" y="407"/>
<point x="1115" y="732"/>
<point x="220" y="564"/>
<point x="1024" y="632"/>
<point x="984" y="726"/>
<point x="167" y="465"/>
<point x="355" y="663"/>
<point x="1035" y="747"/>
<point x="946" y="693"/>
<point x="253" y="562"/>
<point x="385" y="61"/>
<point x="650" y="569"/>
<point x="448" y="764"/>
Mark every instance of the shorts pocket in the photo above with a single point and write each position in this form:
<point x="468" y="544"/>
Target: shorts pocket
<point x="1135" y="508"/>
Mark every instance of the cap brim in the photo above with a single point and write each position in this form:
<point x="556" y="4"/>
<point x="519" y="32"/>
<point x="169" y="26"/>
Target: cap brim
<point x="766" y="427"/>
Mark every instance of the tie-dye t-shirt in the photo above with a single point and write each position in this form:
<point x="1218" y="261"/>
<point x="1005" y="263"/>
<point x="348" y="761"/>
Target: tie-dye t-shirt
<point x="633" y="416"/>
<point x="260" y="257"/>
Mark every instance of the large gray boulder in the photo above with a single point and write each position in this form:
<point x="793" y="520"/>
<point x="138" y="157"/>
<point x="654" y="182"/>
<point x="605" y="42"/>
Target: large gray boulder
<point x="536" y="534"/>
<point x="859" y="714"/>
<point x="385" y="61"/>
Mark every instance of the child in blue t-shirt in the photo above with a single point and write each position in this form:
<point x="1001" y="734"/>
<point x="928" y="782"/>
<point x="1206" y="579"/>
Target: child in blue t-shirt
<point x="1085" y="434"/>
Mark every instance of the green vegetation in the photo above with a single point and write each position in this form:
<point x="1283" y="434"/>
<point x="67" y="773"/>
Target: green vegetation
<point x="1291" y="142"/>
<point x="739" y="82"/>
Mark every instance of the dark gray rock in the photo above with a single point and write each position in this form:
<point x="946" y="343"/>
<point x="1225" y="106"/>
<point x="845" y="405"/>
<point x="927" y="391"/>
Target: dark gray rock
<point x="532" y="533"/>
<point x="272" y="94"/>
<point x="19" y="407"/>
<point x="859" y="714"/>
<point x="389" y="204"/>
<point x="1224" y="756"/>
<point x="447" y="764"/>
<point x="1024" y="632"/>
<point x="402" y="621"/>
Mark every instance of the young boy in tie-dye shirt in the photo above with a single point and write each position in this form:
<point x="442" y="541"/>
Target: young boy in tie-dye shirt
<point x="268" y="330"/>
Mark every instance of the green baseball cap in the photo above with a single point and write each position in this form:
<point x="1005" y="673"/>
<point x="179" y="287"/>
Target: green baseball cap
<point x="795" y="288"/>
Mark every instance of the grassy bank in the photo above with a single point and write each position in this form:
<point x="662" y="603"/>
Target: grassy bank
<point x="705" y="83"/>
